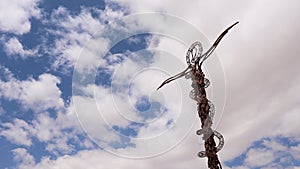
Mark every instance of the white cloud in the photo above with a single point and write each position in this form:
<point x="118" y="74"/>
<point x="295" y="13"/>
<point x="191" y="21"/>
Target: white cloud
<point x="17" y="132"/>
<point x="23" y="158"/>
<point x="275" y="146"/>
<point x="93" y="123"/>
<point x="99" y="108"/>
<point x="259" y="157"/>
<point x="182" y="155"/>
<point x="177" y="158"/>
<point x="241" y="167"/>
<point x="289" y="125"/>
<point x="14" y="47"/>
<point x="5" y="73"/>
<point x="56" y="133"/>
<point x="40" y="95"/>
<point x="295" y="151"/>
<point x="45" y="127"/>
<point x="37" y="95"/>
<point x="74" y="37"/>
<point x="269" y="153"/>
<point x="15" y="15"/>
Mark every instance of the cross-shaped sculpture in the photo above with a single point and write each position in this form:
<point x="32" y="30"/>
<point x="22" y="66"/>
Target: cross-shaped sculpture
<point x="195" y="59"/>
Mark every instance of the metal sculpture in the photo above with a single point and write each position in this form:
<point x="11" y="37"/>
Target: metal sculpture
<point x="206" y="110"/>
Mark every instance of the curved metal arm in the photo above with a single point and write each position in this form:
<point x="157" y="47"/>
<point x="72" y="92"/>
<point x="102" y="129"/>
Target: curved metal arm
<point x="208" y="53"/>
<point x="183" y="73"/>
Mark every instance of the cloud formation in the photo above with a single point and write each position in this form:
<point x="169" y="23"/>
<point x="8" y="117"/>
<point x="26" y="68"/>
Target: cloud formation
<point x="15" y="15"/>
<point x="38" y="95"/>
<point x="13" y="47"/>
<point x="17" y="132"/>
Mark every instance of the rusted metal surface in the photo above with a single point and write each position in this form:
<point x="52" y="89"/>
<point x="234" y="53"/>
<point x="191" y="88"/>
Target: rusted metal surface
<point x="205" y="108"/>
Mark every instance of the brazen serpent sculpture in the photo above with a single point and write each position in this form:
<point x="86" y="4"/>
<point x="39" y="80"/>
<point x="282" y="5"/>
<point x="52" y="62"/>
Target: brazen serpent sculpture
<point x="195" y="59"/>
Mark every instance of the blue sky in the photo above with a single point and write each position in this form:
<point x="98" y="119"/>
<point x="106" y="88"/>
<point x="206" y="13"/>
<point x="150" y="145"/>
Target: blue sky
<point x="78" y="80"/>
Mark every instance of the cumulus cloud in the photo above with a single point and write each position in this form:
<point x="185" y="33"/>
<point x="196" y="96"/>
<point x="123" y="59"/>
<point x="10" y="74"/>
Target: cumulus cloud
<point x="37" y="95"/>
<point x="83" y="93"/>
<point x="176" y="158"/>
<point x="100" y="108"/>
<point x="270" y="153"/>
<point x="57" y="132"/>
<point x="60" y="134"/>
<point x="15" y="15"/>
<point x="181" y="156"/>
<point x="23" y="158"/>
<point x="295" y="151"/>
<point x="259" y="157"/>
<point x="13" y="47"/>
<point x="74" y="36"/>
<point x="17" y="132"/>
<point x="5" y="73"/>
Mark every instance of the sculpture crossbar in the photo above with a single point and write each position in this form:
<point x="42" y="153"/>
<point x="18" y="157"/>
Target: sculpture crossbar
<point x="206" y="110"/>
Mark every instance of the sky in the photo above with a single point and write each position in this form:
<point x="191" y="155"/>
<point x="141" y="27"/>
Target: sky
<point x="78" y="83"/>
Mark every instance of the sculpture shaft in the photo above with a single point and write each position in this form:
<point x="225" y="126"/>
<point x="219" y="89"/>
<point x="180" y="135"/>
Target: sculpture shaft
<point x="203" y="109"/>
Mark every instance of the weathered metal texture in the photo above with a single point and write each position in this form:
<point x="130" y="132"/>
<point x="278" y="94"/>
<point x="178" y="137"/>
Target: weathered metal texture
<point x="205" y="108"/>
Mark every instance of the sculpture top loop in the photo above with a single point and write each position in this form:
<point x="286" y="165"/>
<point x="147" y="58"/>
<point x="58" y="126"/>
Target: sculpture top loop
<point x="193" y="53"/>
